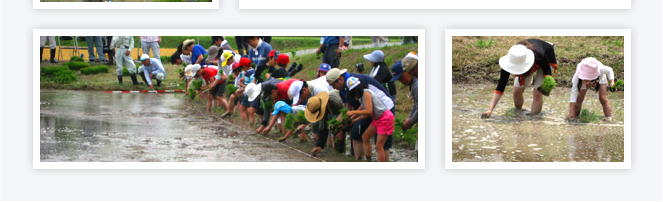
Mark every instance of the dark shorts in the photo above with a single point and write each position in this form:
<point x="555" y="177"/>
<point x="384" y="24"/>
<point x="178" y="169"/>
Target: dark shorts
<point x="356" y="133"/>
<point x="245" y="101"/>
<point x="219" y="90"/>
<point x="329" y="56"/>
<point x="256" y="105"/>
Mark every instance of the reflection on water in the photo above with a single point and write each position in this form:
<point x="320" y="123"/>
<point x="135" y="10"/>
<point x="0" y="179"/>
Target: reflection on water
<point x="522" y="137"/>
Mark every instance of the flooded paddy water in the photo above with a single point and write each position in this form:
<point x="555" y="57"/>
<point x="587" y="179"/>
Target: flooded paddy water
<point x="518" y="136"/>
<point x="87" y="126"/>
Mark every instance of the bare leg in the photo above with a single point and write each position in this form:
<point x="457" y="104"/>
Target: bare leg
<point x="242" y="112"/>
<point x="537" y="103"/>
<point x="518" y="99"/>
<point x="223" y="103"/>
<point x="251" y="115"/>
<point x="579" y="100"/>
<point x="366" y="138"/>
<point x="603" y="97"/>
<point x="358" y="148"/>
<point x="379" y="146"/>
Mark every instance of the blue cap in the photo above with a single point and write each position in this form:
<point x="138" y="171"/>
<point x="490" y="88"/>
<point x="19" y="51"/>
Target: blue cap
<point x="397" y="70"/>
<point x="324" y="67"/>
<point x="281" y="106"/>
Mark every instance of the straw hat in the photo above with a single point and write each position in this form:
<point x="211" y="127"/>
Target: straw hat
<point x="518" y="61"/>
<point x="316" y="106"/>
<point x="588" y="69"/>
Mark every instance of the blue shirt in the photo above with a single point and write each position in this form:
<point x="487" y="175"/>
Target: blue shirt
<point x="331" y="40"/>
<point x="249" y="76"/>
<point x="259" y="56"/>
<point x="197" y="50"/>
<point x="154" y="68"/>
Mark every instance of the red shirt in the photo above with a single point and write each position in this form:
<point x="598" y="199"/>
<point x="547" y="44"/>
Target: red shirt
<point x="283" y="89"/>
<point x="209" y="73"/>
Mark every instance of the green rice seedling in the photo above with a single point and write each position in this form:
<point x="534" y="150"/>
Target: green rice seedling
<point x="289" y="122"/>
<point x="94" y="70"/>
<point x="588" y="116"/>
<point x="197" y="84"/>
<point x="484" y="44"/>
<point x="52" y="70"/>
<point x="619" y="85"/>
<point x="65" y="76"/>
<point x="548" y="85"/>
<point x="77" y="65"/>
<point x="301" y="118"/>
<point x="344" y="112"/>
<point x="231" y="89"/>
<point x="334" y="123"/>
<point x="192" y="94"/>
<point x="510" y="113"/>
<point x="268" y="105"/>
<point x="76" y="59"/>
<point x="263" y="75"/>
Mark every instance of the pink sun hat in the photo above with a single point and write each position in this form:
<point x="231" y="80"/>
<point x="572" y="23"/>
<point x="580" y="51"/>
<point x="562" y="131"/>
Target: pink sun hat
<point x="588" y="69"/>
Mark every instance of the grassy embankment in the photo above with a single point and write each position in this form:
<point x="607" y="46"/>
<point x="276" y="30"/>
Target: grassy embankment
<point x="475" y="59"/>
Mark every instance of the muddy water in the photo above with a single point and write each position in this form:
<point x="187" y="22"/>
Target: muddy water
<point x="519" y="136"/>
<point x="102" y="127"/>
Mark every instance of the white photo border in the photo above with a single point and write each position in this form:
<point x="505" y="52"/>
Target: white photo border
<point x="435" y="4"/>
<point x="449" y="164"/>
<point x="37" y="164"/>
<point x="36" y="4"/>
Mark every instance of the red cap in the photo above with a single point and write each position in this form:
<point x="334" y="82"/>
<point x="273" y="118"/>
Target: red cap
<point x="283" y="59"/>
<point x="245" y="62"/>
<point x="235" y="65"/>
<point x="272" y="53"/>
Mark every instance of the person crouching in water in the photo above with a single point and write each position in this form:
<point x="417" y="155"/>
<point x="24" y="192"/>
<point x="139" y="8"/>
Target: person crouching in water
<point x="523" y="60"/>
<point x="591" y="74"/>
<point x="383" y="119"/>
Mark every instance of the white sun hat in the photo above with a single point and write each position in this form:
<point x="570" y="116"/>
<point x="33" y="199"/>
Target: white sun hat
<point x="518" y="61"/>
<point x="144" y="57"/>
<point x="253" y="90"/>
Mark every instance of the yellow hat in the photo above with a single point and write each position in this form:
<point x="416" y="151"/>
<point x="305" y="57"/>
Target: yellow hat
<point x="225" y="57"/>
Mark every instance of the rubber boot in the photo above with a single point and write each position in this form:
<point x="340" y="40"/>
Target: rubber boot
<point x="159" y="83"/>
<point x="41" y="54"/>
<point x="144" y="79"/>
<point x="53" y="56"/>
<point x="119" y="79"/>
<point x="134" y="80"/>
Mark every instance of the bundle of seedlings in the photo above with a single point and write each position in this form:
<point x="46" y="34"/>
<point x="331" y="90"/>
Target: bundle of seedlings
<point x="263" y="75"/>
<point x="619" y="86"/>
<point x="339" y="126"/>
<point x="268" y="105"/>
<point x="53" y="69"/>
<point x="196" y="86"/>
<point x="76" y="65"/>
<point x="588" y="116"/>
<point x="231" y="89"/>
<point x="548" y="85"/>
<point x="76" y="59"/>
<point x="94" y="70"/>
<point x="65" y="76"/>
<point x="293" y="121"/>
<point x="165" y="58"/>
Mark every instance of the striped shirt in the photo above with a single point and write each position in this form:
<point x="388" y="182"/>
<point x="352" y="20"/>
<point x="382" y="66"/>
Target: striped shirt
<point x="149" y="38"/>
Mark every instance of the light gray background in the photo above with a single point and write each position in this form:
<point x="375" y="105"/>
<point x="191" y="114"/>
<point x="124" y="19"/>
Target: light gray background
<point x="642" y="182"/>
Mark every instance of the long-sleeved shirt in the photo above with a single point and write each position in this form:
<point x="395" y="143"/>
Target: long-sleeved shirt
<point x="545" y="60"/>
<point x="414" y="92"/>
<point x="605" y="70"/>
<point x="123" y="42"/>
<point x="259" y="55"/>
<point x="266" y="115"/>
<point x="155" y="67"/>
<point x="197" y="51"/>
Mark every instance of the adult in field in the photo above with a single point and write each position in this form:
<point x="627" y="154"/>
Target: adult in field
<point x="221" y="43"/>
<point x="320" y="109"/>
<point x="51" y="45"/>
<point x="591" y="73"/>
<point x="412" y="82"/>
<point x="151" y="43"/>
<point x="124" y="45"/>
<point x="278" y="92"/>
<point x="196" y="51"/>
<point x="152" y="68"/>
<point x="92" y="43"/>
<point x="523" y="60"/>
<point x="331" y="49"/>
<point x="259" y="51"/>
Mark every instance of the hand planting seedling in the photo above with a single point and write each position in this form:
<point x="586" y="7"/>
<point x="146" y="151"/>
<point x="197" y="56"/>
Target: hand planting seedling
<point x="196" y="86"/>
<point x="547" y="85"/>
<point x="77" y="65"/>
<point x="619" y="85"/>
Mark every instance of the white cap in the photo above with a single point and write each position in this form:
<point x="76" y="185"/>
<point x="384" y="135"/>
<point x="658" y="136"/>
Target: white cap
<point x="144" y="56"/>
<point x="293" y="91"/>
<point x="352" y="82"/>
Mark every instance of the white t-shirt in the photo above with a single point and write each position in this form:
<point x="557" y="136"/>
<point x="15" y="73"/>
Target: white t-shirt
<point x="319" y="85"/>
<point x="605" y="70"/>
<point x="186" y="59"/>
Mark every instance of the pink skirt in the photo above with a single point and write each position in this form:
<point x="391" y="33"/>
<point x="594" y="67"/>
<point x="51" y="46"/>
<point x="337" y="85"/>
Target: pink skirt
<point x="384" y="124"/>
